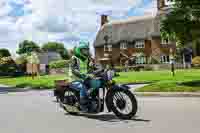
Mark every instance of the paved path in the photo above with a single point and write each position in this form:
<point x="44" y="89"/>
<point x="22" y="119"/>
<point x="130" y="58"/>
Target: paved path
<point x="5" y="89"/>
<point x="37" y="112"/>
<point x="136" y="86"/>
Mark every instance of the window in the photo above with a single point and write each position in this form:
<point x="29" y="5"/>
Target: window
<point x="106" y="54"/>
<point x="164" y="59"/>
<point x="139" y="44"/>
<point x="107" y="47"/>
<point x="123" y="45"/>
<point x="140" y="60"/>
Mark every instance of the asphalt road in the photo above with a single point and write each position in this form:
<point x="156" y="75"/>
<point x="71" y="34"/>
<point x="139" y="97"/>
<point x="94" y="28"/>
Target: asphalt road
<point x="37" y="112"/>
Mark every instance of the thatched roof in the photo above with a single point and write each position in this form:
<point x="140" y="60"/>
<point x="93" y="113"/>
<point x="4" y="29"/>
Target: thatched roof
<point x="134" y="28"/>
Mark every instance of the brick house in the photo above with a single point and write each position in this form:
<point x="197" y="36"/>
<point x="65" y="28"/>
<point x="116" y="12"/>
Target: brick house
<point x="136" y="38"/>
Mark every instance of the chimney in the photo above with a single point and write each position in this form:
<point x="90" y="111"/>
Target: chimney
<point x="104" y="19"/>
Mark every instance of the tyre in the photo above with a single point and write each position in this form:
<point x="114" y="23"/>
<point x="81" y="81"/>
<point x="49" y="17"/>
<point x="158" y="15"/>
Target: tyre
<point x="123" y="104"/>
<point x="57" y="99"/>
<point x="70" y="102"/>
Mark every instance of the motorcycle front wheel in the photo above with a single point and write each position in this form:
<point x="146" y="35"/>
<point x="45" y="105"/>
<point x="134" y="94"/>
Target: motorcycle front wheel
<point x="123" y="104"/>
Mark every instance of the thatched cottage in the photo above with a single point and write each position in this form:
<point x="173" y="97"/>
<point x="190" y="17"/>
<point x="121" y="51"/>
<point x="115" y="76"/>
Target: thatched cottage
<point x="136" y="37"/>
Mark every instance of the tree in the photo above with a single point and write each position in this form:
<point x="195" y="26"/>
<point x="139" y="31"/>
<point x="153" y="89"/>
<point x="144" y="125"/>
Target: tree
<point x="182" y="23"/>
<point x="26" y="47"/>
<point x="33" y="58"/>
<point x="4" y="53"/>
<point x="21" y="61"/>
<point x="56" y="47"/>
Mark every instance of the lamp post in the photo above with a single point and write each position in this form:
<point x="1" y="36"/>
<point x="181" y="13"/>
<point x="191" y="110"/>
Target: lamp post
<point x="172" y="61"/>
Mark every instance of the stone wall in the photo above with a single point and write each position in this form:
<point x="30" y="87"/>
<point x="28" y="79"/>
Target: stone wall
<point x="164" y="66"/>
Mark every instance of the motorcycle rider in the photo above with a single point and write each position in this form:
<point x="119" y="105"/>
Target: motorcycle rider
<point x="81" y="65"/>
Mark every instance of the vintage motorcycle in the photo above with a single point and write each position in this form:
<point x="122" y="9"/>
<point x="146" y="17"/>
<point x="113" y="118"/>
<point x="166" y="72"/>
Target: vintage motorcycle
<point x="103" y="91"/>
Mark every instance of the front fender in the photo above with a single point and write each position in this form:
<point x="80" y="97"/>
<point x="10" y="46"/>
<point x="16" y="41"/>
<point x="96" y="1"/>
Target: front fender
<point x="120" y="86"/>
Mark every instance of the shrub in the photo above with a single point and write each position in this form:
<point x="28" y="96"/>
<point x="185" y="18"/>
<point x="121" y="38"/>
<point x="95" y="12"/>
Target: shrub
<point x="137" y="69"/>
<point x="7" y="65"/>
<point x="196" y="61"/>
<point x="4" y="53"/>
<point x="118" y="68"/>
<point x="58" y="64"/>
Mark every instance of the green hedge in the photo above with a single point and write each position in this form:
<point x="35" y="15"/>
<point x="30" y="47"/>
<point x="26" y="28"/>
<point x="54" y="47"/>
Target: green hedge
<point x="59" y="64"/>
<point x="7" y="65"/>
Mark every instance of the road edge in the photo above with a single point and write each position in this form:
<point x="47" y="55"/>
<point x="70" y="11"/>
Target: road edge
<point x="167" y="94"/>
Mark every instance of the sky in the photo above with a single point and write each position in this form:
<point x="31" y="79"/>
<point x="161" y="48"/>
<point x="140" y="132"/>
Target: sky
<point x="66" y="21"/>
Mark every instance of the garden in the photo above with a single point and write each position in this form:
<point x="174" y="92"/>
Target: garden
<point x="13" y="72"/>
<point x="158" y="81"/>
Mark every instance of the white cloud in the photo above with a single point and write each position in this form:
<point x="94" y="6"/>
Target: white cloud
<point x="4" y="8"/>
<point x="66" y="15"/>
<point x="52" y="20"/>
<point x="151" y="8"/>
<point x="9" y="34"/>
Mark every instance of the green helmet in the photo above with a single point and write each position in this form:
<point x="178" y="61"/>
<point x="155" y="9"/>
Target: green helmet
<point x="82" y="51"/>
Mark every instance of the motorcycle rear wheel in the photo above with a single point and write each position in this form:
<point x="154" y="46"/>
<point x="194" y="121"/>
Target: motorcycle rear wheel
<point x="70" y="102"/>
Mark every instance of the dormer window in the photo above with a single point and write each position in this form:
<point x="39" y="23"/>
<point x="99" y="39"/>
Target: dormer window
<point x="107" y="48"/>
<point x="123" y="45"/>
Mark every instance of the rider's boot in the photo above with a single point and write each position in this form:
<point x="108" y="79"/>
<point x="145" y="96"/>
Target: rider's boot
<point x="84" y="104"/>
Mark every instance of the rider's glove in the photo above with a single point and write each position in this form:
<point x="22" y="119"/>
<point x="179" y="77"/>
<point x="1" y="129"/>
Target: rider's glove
<point x="91" y="76"/>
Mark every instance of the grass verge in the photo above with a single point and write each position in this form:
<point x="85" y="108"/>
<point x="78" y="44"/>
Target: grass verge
<point x="162" y="81"/>
<point x="40" y="82"/>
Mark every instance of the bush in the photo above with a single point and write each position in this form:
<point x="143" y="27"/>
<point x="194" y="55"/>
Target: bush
<point x="196" y="61"/>
<point x="58" y="64"/>
<point x="7" y="66"/>
<point x="118" y="68"/>
<point x="4" y="53"/>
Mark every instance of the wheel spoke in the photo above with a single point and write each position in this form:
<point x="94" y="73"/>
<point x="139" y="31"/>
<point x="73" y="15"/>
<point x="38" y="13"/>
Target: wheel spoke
<point x="128" y="108"/>
<point x="71" y="99"/>
<point x="124" y="97"/>
<point x="115" y="98"/>
<point x="120" y="95"/>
